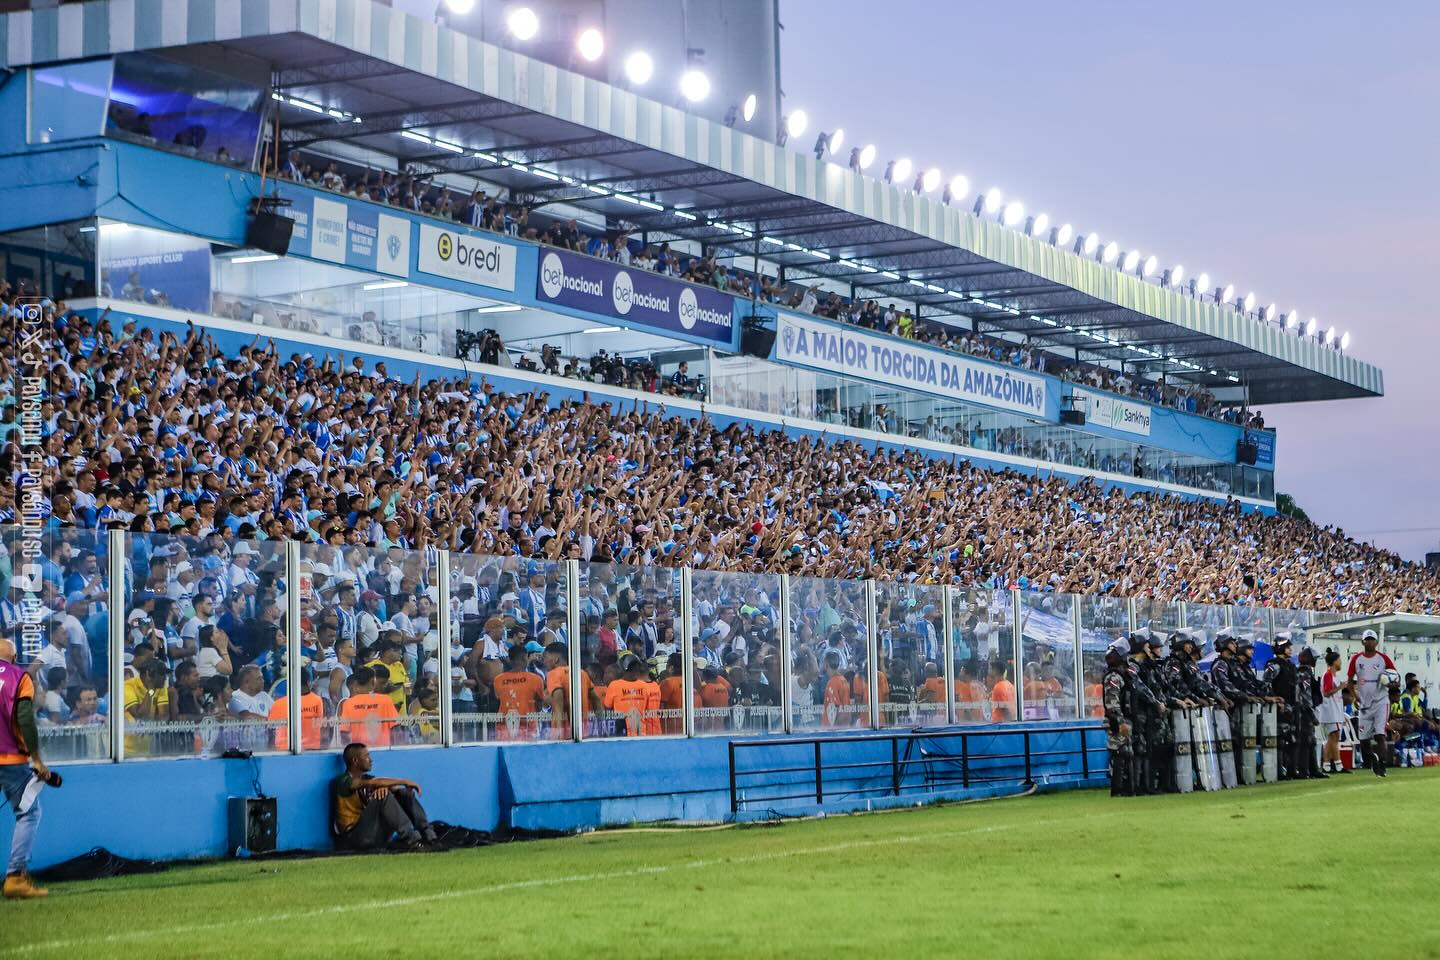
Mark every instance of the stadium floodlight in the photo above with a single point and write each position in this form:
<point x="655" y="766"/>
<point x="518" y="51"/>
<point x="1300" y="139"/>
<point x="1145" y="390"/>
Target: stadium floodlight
<point x="461" y="7"/>
<point x="1226" y="295"/>
<point x="1345" y="341"/>
<point x="837" y="138"/>
<point x="1269" y="313"/>
<point x="1038" y="224"/>
<point x="1013" y="213"/>
<point x="1150" y="266"/>
<point x="1329" y="336"/>
<point x="1112" y="250"/>
<point x="1092" y="243"/>
<point x="639" y="68"/>
<point x="522" y="23"/>
<point x="993" y="199"/>
<point x="694" y="85"/>
<point x="932" y="180"/>
<point x="1291" y="319"/>
<point x="867" y="156"/>
<point x="1131" y="261"/>
<point x="797" y="123"/>
<point x="896" y="171"/>
<point x="1063" y="234"/>
<point x="1249" y="302"/>
<point x="1310" y="327"/>
<point x="956" y="190"/>
<point x="747" y="110"/>
<point x="591" y="44"/>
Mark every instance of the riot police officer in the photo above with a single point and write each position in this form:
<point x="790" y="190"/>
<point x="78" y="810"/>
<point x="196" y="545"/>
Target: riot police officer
<point x="1307" y="703"/>
<point x="1149" y="708"/>
<point x="1161" y="734"/>
<point x="1280" y="678"/>
<point x="1115" y="694"/>
<point x="1226" y="680"/>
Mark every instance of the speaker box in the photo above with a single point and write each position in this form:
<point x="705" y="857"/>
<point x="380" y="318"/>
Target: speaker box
<point x="1075" y="418"/>
<point x="252" y="824"/>
<point x="1246" y="452"/>
<point x="269" y="231"/>
<point x="757" y="343"/>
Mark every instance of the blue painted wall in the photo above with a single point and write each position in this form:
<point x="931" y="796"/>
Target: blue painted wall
<point x="174" y="809"/>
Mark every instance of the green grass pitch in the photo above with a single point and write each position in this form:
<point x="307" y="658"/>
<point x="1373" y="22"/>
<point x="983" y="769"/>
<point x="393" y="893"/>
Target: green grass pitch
<point x="1296" y="870"/>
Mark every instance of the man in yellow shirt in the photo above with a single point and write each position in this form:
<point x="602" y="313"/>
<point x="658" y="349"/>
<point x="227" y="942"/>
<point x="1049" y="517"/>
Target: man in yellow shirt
<point x="147" y="700"/>
<point x="390" y="662"/>
<point x="366" y="811"/>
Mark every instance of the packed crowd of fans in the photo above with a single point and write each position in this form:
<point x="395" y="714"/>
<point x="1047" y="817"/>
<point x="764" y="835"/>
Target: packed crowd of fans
<point x="165" y="435"/>
<point x="482" y="211"/>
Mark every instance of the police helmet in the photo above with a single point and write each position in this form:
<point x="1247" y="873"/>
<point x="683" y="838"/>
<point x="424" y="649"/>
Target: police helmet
<point x="1307" y="654"/>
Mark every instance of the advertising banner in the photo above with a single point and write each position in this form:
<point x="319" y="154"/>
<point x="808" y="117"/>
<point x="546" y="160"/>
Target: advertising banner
<point x="328" y="229"/>
<point x="352" y="234"/>
<point x="1103" y="410"/>
<point x="898" y="363"/>
<point x="638" y="298"/>
<point x="469" y="259"/>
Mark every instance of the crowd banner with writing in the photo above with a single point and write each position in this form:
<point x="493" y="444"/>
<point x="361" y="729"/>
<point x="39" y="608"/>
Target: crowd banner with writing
<point x="1264" y="442"/>
<point x="466" y="257"/>
<point x="636" y="298"/>
<point x="1104" y="410"/>
<point x="899" y="363"/>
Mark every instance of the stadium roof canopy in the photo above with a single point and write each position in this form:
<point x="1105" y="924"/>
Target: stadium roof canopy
<point x="1394" y="626"/>
<point x="402" y="74"/>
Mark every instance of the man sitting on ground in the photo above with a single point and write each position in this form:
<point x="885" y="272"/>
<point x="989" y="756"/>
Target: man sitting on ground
<point x="367" y="811"/>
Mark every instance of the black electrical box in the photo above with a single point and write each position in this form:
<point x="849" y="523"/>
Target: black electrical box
<point x="252" y="824"/>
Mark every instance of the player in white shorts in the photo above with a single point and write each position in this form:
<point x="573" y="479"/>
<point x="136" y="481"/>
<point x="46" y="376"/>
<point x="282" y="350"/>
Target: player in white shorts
<point x="1372" y="700"/>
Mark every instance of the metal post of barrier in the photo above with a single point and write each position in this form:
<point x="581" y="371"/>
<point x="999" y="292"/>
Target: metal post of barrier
<point x="947" y="648"/>
<point x="1132" y="619"/>
<point x="1028" y="778"/>
<point x="687" y="643"/>
<point x="786" y="667"/>
<point x="1018" y="652"/>
<point x="819" y="785"/>
<point x="1078" y="663"/>
<point x="115" y="562"/>
<point x="573" y="652"/>
<point x="872" y="658"/>
<point x="895" y="766"/>
<point x="734" y="794"/>
<point x="447" y="624"/>
<point x="293" y="641"/>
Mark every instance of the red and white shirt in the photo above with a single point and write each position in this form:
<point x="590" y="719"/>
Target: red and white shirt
<point x="1366" y="669"/>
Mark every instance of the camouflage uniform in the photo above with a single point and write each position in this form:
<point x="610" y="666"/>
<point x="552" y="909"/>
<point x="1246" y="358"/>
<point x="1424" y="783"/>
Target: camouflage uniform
<point x="1307" y="699"/>
<point x="1147" y="707"/>
<point x="1225" y="677"/>
<point x="1280" y="680"/>
<point x="1158" y="732"/>
<point x="1116" y="695"/>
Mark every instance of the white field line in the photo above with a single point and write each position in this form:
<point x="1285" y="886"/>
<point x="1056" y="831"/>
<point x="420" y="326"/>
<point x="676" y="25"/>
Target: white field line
<point x="259" y="921"/>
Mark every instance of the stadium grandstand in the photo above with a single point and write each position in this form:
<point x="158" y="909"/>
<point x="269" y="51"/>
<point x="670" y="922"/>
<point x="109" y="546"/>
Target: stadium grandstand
<point x="373" y="351"/>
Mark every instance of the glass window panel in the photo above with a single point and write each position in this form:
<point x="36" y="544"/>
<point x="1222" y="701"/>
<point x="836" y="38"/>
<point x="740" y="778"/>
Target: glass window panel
<point x="372" y="614"/>
<point x="1104" y="620"/>
<point x="1204" y="621"/>
<point x="910" y="635"/>
<point x="742" y="693"/>
<point x="984" y="649"/>
<point x="1048" y="651"/>
<point x="155" y="267"/>
<point x="828" y="654"/>
<point x="67" y="102"/>
<point x="205" y="646"/>
<point x="627" y="653"/>
<point x="60" y="627"/>
<point x="510" y="622"/>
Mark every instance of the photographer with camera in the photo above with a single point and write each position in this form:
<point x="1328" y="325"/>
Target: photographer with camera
<point x="22" y="772"/>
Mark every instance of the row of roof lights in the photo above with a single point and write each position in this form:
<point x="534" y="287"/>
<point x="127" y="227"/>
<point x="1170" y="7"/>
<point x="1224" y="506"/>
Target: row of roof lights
<point x="639" y="67"/>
